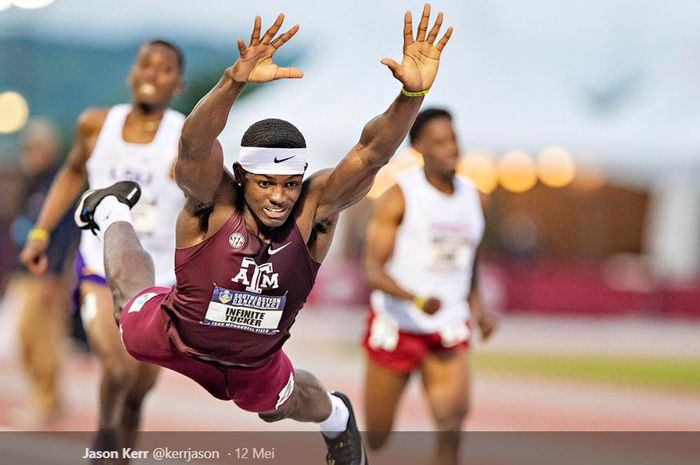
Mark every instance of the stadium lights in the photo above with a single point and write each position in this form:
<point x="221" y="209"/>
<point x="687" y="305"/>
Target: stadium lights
<point x="516" y="171"/>
<point x="555" y="166"/>
<point x="481" y="169"/>
<point x="14" y="112"/>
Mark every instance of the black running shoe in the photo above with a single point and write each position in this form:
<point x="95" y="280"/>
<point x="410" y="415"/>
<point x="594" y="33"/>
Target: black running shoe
<point x="347" y="448"/>
<point x="127" y="192"/>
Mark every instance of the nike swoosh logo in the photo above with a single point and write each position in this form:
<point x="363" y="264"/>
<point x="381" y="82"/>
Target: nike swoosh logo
<point x="272" y="251"/>
<point x="283" y="159"/>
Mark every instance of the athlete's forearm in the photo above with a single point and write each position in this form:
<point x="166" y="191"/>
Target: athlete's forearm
<point x="208" y="119"/>
<point x="383" y="134"/>
<point x="378" y="279"/>
<point x="65" y="189"/>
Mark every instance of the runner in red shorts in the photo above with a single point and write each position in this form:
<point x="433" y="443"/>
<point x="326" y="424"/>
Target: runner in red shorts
<point x="249" y="245"/>
<point x="422" y="242"/>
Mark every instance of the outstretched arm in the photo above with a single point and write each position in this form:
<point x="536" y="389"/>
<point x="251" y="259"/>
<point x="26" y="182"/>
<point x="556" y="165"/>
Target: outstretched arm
<point x="353" y="177"/>
<point x="199" y="167"/>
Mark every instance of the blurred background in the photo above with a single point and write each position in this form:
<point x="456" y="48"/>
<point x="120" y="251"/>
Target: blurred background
<point x="578" y="121"/>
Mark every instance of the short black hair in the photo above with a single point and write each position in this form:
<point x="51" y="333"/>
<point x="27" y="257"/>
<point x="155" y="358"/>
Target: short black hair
<point x="423" y="118"/>
<point x="171" y="46"/>
<point x="273" y="133"/>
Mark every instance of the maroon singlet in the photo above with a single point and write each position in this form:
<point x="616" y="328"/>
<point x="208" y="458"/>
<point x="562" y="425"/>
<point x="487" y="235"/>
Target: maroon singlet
<point x="237" y="296"/>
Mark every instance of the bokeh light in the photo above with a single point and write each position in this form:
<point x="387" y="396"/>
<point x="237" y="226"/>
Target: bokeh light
<point x="481" y="169"/>
<point x="14" y="112"/>
<point x="555" y="166"/>
<point x="516" y="171"/>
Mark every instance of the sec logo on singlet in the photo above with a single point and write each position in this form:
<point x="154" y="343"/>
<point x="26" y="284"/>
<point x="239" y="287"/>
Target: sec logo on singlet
<point x="236" y="240"/>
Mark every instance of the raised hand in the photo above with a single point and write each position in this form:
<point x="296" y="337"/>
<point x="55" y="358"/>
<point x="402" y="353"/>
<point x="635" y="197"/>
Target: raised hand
<point x="421" y="56"/>
<point x="255" y="62"/>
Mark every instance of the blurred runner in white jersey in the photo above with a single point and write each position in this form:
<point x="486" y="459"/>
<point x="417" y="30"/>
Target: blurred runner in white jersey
<point x="420" y="259"/>
<point x="137" y="141"/>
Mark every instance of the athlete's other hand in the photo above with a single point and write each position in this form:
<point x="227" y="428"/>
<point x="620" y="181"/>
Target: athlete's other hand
<point x="421" y="56"/>
<point x="488" y="322"/>
<point x="431" y="305"/>
<point x="33" y="256"/>
<point x="255" y="61"/>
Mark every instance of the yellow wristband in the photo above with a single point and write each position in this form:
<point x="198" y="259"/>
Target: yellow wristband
<point x="419" y="302"/>
<point x="38" y="234"/>
<point x="420" y="93"/>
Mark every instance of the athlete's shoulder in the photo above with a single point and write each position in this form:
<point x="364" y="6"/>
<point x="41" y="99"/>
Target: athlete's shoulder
<point x="391" y="203"/>
<point x="391" y="194"/>
<point x="91" y="120"/>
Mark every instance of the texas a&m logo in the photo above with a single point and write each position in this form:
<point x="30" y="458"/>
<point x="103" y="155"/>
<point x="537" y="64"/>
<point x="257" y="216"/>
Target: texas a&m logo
<point x="256" y="277"/>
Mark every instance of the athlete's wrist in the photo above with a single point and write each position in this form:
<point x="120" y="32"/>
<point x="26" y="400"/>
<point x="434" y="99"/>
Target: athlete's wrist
<point x="237" y="84"/>
<point x="419" y="301"/>
<point x="418" y="93"/>
<point x="38" y="234"/>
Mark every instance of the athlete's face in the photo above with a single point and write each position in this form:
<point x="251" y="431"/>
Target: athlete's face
<point x="271" y="197"/>
<point x="155" y="75"/>
<point x="438" y="144"/>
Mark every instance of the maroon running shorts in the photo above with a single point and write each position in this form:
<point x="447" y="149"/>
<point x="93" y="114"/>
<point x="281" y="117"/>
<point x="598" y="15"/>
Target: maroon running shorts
<point x="410" y="349"/>
<point x="143" y="327"/>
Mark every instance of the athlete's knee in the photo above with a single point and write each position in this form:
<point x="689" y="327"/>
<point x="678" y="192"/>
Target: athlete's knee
<point x="119" y="374"/>
<point x="145" y="381"/>
<point x="452" y="416"/>
<point x="286" y="410"/>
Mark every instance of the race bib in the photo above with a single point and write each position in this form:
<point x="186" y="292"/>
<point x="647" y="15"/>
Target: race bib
<point x="449" y="253"/>
<point x="246" y="311"/>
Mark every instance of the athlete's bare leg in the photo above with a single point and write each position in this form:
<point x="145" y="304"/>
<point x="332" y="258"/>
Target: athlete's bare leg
<point x="146" y="377"/>
<point x="124" y="381"/>
<point x="308" y="402"/>
<point x="383" y="390"/>
<point x="447" y="388"/>
<point x="42" y="326"/>
<point x="128" y="266"/>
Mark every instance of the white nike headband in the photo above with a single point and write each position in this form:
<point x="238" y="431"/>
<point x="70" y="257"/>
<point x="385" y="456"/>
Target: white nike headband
<point x="264" y="160"/>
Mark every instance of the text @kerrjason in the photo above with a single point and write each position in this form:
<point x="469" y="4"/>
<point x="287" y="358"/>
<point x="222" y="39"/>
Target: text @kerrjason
<point x="165" y="453"/>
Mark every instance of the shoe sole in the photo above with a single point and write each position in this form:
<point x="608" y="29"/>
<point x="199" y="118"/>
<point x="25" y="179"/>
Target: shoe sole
<point x="81" y="204"/>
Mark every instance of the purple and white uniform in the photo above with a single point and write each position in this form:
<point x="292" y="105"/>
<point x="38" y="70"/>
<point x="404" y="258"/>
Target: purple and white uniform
<point x="113" y="159"/>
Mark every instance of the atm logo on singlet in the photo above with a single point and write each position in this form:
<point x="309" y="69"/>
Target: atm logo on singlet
<point x="256" y="277"/>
